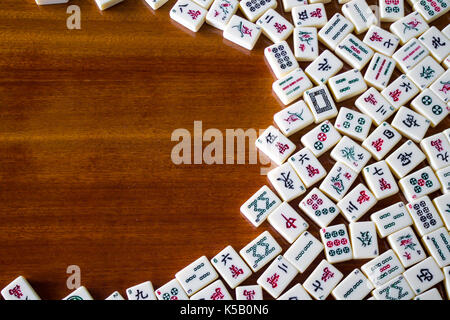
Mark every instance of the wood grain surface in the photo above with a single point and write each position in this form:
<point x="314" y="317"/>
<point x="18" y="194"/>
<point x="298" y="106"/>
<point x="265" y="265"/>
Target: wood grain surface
<point x="86" y="117"/>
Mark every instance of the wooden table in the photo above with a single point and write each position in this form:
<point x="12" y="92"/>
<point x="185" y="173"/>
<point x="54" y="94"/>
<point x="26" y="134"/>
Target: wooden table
<point x="86" y="176"/>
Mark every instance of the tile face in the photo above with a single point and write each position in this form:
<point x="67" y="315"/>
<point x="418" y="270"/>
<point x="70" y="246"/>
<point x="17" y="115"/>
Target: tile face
<point x="19" y="289"/>
<point x="275" y="145"/>
<point x="324" y="67"/>
<point x="321" y="139"/>
<point x="82" y="294"/>
<point x="375" y="105"/>
<point x="311" y="15"/>
<point x="297" y="292"/>
<point x="337" y="243"/>
<point x="319" y="208"/>
<point x="281" y="59"/>
<point x="425" y="72"/>
<point x="306" y="43"/>
<point x="256" y="8"/>
<point x="260" y="205"/>
<point x="289" y="4"/>
<point x="231" y="267"/>
<point x="431" y="10"/>
<point x="275" y="26"/>
<point x="357" y="203"/>
<point x="424" y="275"/>
<point x="446" y="31"/>
<point x="303" y="251"/>
<point x="404" y="159"/>
<point x="221" y="12"/>
<point x="115" y="296"/>
<point x="411" y="124"/>
<point x="338" y="181"/>
<point x="391" y="10"/>
<point x="172" y="290"/>
<point x="242" y="32"/>
<point x="407" y="247"/>
<point x="142" y="291"/>
<point x="396" y="289"/>
<point x="215" y="291"/>
<point x="411" y="26"/>
<point x="196" y="276"/>
<point x="293" y="118"/>
<point x="260" y="251"/>
<point x="410" y="54"/>
<point x="204" y="3"/>
<point x="425" y="217"/>
<point x="444" y="178"/>
<point x="438" y="245"/>
<point x="383" y="268"/>
<point x="249" y="293"/>
<point x="336" y="29"/>
<point x="382" y="140"/>
<point x="391" y="219"/>
<point x="419" y="184"/>
<point x="277" y="276"/>
<point x="436" y="148"/>
<point x="441" y="87"/>
<point x="308" y="168"/>
<point x="188" y="14"/>
<point x="353" y="51"/>
<point x="432" y="294"/>
<point x="292" y="86"/>
<point x="359" y="13"/>
<point x="286" y="182"/>
<point x="381" y="40"/>
<point x="322" y="280"/>
<point x="353" y="123"/>
<point x="380" y="180"/>
<point x="288" y="222"/>
<point x="363" y="236"/>
<point x="379" y="71"/>
<point x="346" y="85"/>
<point x="428" y="104"/>
<point x="354" y="287"/>
<point x="321" y="103"/>
<point x="155" y="4"/>
<point x="400" y="91"/>
<point x="442" y="204"/>
<point x="350" y="153"/>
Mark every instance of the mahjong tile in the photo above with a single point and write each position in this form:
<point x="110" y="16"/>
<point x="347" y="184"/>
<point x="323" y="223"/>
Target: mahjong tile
<point x="319" y="208"/>
<point x="413" y="25"/>
<point x="196" y="276"/>
<point x="353" y="51"/>
<point x="382" y="140"/>
<point x="424" y="214"/>
<point x="83" y="294"/>
<point x="400" y="91"/>
<point x="354" y="287"/>
<point x="172" y="290"/>
<point x="303" y="251"/>
<point x="321" y="139"/>
<point x="277" y="276"/>
<point x="447" y="133"/>
<point x="442" y="204"/>
<point x="19" y="289"/>
<point x="360" y="14"/>
<point x="215" y="291"/>
<point x="188" y="14"/>
<point x="281" y="59"/>
<point x="350" y="153"/>
<point x="336" y="243"/>
<point x="357" y="203"/>
<point x="242" y="32"/>
<point x="396" y="289"/>
<point x="253" y="9"/>
<point x="288" y="222"/>
<point x="446" y="31"/>
<point x="338" y="181"/>
<point x="353" y="123"/>
<point x="105" y="4"/>
<point x="297" y="292"/>
<point x="292" y="86"/>
<point x="221" y="12"/>
<point x="321" y="103"/>
<point x="293" y="118"/>
<point x="428" y="104"/>
<point x="425" y="72"/>
<point x="407" y="247"/>
<point x="411" y="124"/>
<point x="309" y="169"/>
<point x="275" y="145"/>
<point x="380" y="180"/>
<point x="383" y="268"/>
<point x="204" y="3"/>
<point x="379" y="71"/>
<point x="410" y="54"/>
<point x="375" y="105"/>
<point x="275" y="26"/>
<point x="446" y="62"/>
<point x="115" y="296"/>
<point x="306" y="43"/>
<point x="444" y="178"/>
<point x="431" y="10"/>
<point x="391" y="219"/>
<point x="253" y="292"/>
<point x="289" y="4"/>
<point x="391" y="10"/>
<point x="441" y="87"/>
<point x="346" y="85"/>
<point x="319" y="1"/>
<point x="437" y="149"/>
<point x="438" y="246"/>
<point x="447" y="280"/>
<point x="381" y="40"/>
<point x="231" y="267"/>
<point x="363" y="237"/>
<point x="432" y="294"/>
<point x="47" y="2"/>
<point x="155" y="4"/>
<point x="322" y="280"/>
<point x="311" y="15"/>
<point x="258" y="207"/>
<point x="286" y="182"/>
<point x="260" y="251"/>
<point x="324" y="67"/>
<point x="424" y="275"/>
<point x="336" y="29"/>
<point x="419" y="184"/>
<point x="405" y="158"/>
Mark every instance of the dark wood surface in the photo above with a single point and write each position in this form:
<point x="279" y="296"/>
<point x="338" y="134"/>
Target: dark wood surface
<point x="86" y="118"/>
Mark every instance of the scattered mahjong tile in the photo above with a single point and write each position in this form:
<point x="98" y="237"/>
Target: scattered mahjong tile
<point x="321" y="103"/>
<point x="410" y="54"/>
<point x="350" y="153"/>
<point x="288" y="222"/>
<point x="424" y="214"/>
<point x="396" y="289"/>
<point x="419" y="184"/>
<point x="431" y="10"/>
<point x="346" y="85"/>
<point x="338" y="181"/>
<point x="297" y="292"/>
<point x="260" y="205"/>
<point x="196" y="276"/>
<point x="447" y="134"/>
<point x="275" y="145"/>
<point x="360" y="14"/>
<point x="363" y="237"/>
<point x="303" y="251"/>
<point x="116" y="296"/>
<point x="405" y="158"/>
<point x="446" y="62"/>
<point x="444" y="178"/>
<point x="83" y="294"/>
<point x="311" y="15"/>
<point x="172" y="290"/>
<point x="322" y="280"/>
<point x="321" y="139"/>
<point x="19" y="289"/>
<point x="411" y="124"/>
<point x="442" y="204"/>
<point x="281" y="59"/>
<point x="375" y="105"/>
<point x="379" y="71"/>
<point x="391" y="219"/>
<point x="432" y="294"/>
<point x="306" y="43"/>
<point x="428" y="104"/>
<point x="446" y="31"/>
<point x="441" y="87"/>
<point x="319" y="1"/>
<point x="204" y="3"/>
<point x="447" y="280"/>
<point x="353" y="123"/>
<point x="354" y="287"/>
<point x="424" y="275"/>
<point x="381" y="40"/>
<point x="292" y="86"/>
<point x="436" y="148"/>
<point x="260" y="251"/>
<point x="407" y="247"/>
<point x="336" y="29"/>
<point x="188" y="14"/>
<point x="382" y="140"/>
<point x="425" y="72"/>
<point x="214" y="291"/>
<point x="221" y="12"/>
<point x="275" y="26"/>
<point x="155" y="4"/>
<point x="105" y="4"/>
<point x="400" y="91"/>
<point x="293" y="118"/>
<point x="242" y="32"/>
<point x="46" y="2"/>
<point x="319" y="208"/>
<point x="324" y="67"/>
<point x="353" y="51"/>
<point x="289" y="4"/>
<point x="383" y="268"/>
<point x="253" y="9"/>
<point x="336" y="243"/>
<point x="408" y="27"/>
<point x="253" y="292"/>
<point x="391" y="10"/>
<point x="380" y="180"/>
<point x="277" y="276"/>
<point x="231" y="267"/>
<point x="438" y="246"/>
<point x="308" y="168"/>
<point x="357" y="203"/>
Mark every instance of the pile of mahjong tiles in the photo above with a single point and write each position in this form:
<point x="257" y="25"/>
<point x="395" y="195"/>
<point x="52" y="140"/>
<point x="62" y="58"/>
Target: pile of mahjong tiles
<point x="413" y="230"/>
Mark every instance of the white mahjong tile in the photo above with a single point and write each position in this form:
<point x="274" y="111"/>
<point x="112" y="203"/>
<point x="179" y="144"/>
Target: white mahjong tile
<point x="431" y="10"/>
<point x="382" y="140"/>
<point x="260" y="251"/>
<point x="437" y="149"/>
<point x="379" y="71"/>
<point x="221" y="12"/>
<point x="277" y="276"/>
<point x="424" y="214"/>
<point x="105" y="4"/>
<point x="288" y="222"/>
<point x="360" y="14"/>
<point x="253" y="9"/>
<point x="446" y="62"/>
<point x="442" y="204"/>
<point x="336" y="243"/>
<point x="364" y="240"/>
<point x="346" y="85"/>
<point x="324" y="67"/>
<point x="46" y="2"/>
<point x="19" y="289"/>
<point x="432" y="294"/>
<point x="231" y="267"/>
<point x="322" y="280"/>
<point x="407" y="247"/>
<point x="188" y="14"/>
<point x="406" y="28"/>
<point x="293" y="118"/>
<point x="357" y="203"/>
<point x="253" y="292"/>
<point x="424" y="275"/>
<point x="297" y="292"/>
<point x="374" y="105"/>
<point x="380" y="180"/>
<point x="391" y="10"/>
<point x="381" y="40"/>
<point x="391" y="219"/>
<point x="319" y="208"/>
<point x="419" y="183"/>
<point x="204" y="3"/>
<point x="411" y="124"/>
<point x="196" y="276"/>
<point x="281" y="59"/>
<point x="275" y="145"/>
<point x="438" y="246"/>
<point x="311" y="15"/>
<point x="319" y="1"/>
<point x="83" y="294"/>
<point x="425" y="72"/>
<point x="396" y="289"/>
<point x="172" y="290"/>
<point x="303" y="251"/>
<point x="353" y="123"/>
<point x="336" y="29"/>
<point x="441" y="87"/>
<point x="115" y="296"/>
<point x="444" y="178"/>
<point x="351" y="154"/>
<point x="142" y="291"/>
<point x="292" y="86"/>
<point x="286" y="182"/>
<point x="428" y="104"/>
<point x="405" y="158"/>
<point x="309" y="169"/>
<point x="258" y="207"/>
<point x="447" y="133"/>
<point x="446" y="31"/>
<point x="321" y="139"/>
<point x="383" y="268"/>
<point x="410" y="54"/>
<point x="289" y="4"/>
<point x="242" y="32"/>
<point x="156" y="4"/>
<point x="354" y="287"/>
<point x="338" y="181"/>
<point x="400" y="91"/>
<point x="353" y="51"/>
<point x="306" y="43"/>
<point x="447" y="281"/>
<point x="275" y="26"/>
<point x="321" y="103"/>
<point x="215" y="291"/>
